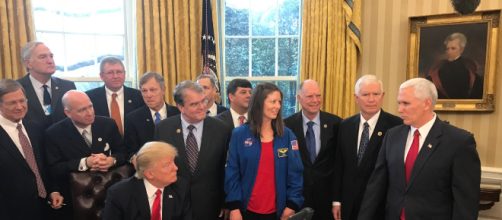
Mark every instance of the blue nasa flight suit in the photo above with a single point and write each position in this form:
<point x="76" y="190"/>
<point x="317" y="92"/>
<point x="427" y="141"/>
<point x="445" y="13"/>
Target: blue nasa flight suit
<point x="242" y="167"/>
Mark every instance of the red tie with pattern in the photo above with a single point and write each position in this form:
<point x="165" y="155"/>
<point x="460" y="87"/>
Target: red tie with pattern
<point x="30" y="159"/>
<point x="410" y="160"/>
<point x="156" y="205"/>
<point x="242" y="120"/>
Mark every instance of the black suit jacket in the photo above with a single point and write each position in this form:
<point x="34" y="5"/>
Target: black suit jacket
<point x="132" y="101"/>
<point x="140" y="127"/>
<point x="66" y="146"/>
<point x="226" y="117"/>
<point x="206" y="184"/>
<point x="350" y="179"/>
<point x="127" y="200"/>
<point x="18" y="188"/>
<point x="317" y="176"/>
<point x="220" y="109"/>
<point x="35" y="111"/>
<point x="444" y="182"/>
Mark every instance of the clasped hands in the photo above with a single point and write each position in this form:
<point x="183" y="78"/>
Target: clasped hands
<point x="99" y="162"/>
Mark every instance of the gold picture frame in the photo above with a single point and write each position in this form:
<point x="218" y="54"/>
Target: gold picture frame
<point x="464" y="74"/>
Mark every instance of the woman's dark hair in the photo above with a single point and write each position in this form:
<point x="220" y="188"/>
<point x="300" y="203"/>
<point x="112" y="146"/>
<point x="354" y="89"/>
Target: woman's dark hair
<point x="255" y="113"/>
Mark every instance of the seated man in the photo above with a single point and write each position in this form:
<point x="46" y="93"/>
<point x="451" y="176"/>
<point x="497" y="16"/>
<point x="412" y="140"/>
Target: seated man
<point x="81" y="142"/>
<point x="155" y="180"/>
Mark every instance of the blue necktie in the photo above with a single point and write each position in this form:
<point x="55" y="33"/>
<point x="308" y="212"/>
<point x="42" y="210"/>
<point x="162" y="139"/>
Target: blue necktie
<point x="310" y="139"/>
<point x="47" y="96"/>
<point x="157" y="118"/>
<point x="365" y="139"/>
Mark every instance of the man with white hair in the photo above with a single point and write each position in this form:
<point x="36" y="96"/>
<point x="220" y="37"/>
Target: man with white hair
<point x="427" y="168"/>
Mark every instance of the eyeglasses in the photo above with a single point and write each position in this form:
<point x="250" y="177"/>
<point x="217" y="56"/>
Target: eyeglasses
<point x="197" y="104"/>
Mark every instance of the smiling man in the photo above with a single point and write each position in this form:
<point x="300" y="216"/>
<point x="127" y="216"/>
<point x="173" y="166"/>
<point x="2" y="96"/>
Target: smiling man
<point x="140" y="124"/>
<point x="316" y="131"/>
<point x="239" y="94"/>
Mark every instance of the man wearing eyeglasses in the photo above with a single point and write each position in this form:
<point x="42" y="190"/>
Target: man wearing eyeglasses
<point x="43" y="90"/>
<point x="202" y="145"/>
<point x="114" y="100"/>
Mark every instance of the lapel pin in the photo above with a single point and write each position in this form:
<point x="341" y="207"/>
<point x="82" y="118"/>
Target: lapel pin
<point x="147" y="119"/>
<point x="56" y="88"/>
<point x="170" y="196"/>
<point x="178" y="131"/>
<point x="325" y="125"/>
<point x="429" y="146"/>
<point x="380" y="133"/>
<point x="107" y="147"/>
<point x="100" y="139"/>
<point x="129" y="101"/>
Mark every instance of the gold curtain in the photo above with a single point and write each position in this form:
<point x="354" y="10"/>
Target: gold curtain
<point x="16" y="26"/>
<point x="169" y="39"/>
<point x="330" y="50"/>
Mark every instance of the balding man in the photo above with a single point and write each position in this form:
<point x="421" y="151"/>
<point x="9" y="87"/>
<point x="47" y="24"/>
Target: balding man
<point x="426" y="168"/>
<point x="82" y="142"/>
<point x="316" y="132"/>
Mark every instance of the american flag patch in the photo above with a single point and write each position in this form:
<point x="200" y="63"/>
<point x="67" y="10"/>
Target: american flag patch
<point x="294" y="145"/>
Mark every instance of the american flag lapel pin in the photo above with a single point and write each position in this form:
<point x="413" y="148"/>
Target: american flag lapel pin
<point x="429" y="146"/>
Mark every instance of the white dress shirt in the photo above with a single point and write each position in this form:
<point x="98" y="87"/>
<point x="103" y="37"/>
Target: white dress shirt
<point x="150" y="192"/>
<point x="235" y="117"/>
<point x="10" y="128"/>
<point x="39" y="90"/>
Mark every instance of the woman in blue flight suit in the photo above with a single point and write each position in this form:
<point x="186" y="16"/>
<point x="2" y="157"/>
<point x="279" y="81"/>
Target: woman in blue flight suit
<point x="263" y="175"/>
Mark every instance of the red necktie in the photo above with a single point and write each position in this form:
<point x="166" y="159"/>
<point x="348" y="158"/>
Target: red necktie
<point x="156" y="205"/>
<point x="242" y="119"/>
<point x="116" y="113"/>
<point x="410" y="161"/>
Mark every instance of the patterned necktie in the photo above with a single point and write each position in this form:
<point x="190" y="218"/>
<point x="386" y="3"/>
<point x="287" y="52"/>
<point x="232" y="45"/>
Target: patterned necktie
<point x="157" y="118"/>
<point x="30" y="159"/>
<point x="410" y="161"/>
<point x="47" y="96"/>
<point x="363" y="144"/>
<point x="310" y="139"/>
<point x="156" y="205"/>
<point x="242" y="119"/>
<point x="116" y="113"/>
<point x="192" y="149"/>
<point x="86" y="138"/>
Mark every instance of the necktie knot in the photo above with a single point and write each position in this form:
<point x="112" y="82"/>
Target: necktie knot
<point x="191" y="127"/>
<point x="416" y="134"/>
<point x="310" y="124"/>
<point x="19" y="127"/>
<point x="242" y="119"/>
<point x="114" y="95"/>
<point x="47" y="96"/>
<point x="157" y="117"/>
<point x="366" y="125"/>
<point x="158" y="192"/>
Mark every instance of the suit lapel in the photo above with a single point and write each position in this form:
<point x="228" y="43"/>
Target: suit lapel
<point x="56" y="93"/>
<point x="34" y="104"/>
<point x="178" y="140"/>
<point x="10" y="147"/>
<point x="430" y="145"/>
<point x="127" y="101"/>
<point x="101" y="102"/>
<point x="141" y="198"/>
<point x="398" y="154"/>
<point x="204" y="150"/>
<point x="73" y="134"/>
<point x="323" y="127"/>
<point x="353" y="145"/>
<point x="376" y="137"/>
<point x="168" y="205"/>
<point x="298" y="129"/>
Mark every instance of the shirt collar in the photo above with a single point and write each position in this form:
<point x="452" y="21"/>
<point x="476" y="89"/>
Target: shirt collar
<point x="214" y="109"/>
<point x="37" y="84"/>
<point x="162" y="111"/>
<point x="185" y="124"/>
<point x="236" y="115"/>
<point x="316" y="119"/>
<point x="150" y="189"/>
<point x="80" y="130"/>
<point x="424" y="130"/>
<point x="372" y="121"/>
<point x="109" y="92"/>
<point x="6" y="122"/>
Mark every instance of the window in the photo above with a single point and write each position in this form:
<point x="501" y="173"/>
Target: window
<point x="81" y="33"/>
<point x="261" y="41"/>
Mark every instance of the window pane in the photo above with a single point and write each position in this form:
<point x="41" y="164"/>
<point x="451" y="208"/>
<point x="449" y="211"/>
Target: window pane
<point x="288" y="56"/>
<point x="110" y="46"/>
<point x="263" y="57"/>
<point x="289" y="17"/>
<point x="263" y="15"/>
<point x="237" y="57"/>
<point x="50" y="11"/>
<point x="288" y="89"/>
<point x="236" y="18"/>
<point x="83" y="63"/>
<point x="53" y="41"/>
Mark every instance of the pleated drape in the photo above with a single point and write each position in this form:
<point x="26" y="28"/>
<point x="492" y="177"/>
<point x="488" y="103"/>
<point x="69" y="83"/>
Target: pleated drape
<point x="330" y="50"/>
<point x="169" y="39"/>
<point x="17" y="28"/>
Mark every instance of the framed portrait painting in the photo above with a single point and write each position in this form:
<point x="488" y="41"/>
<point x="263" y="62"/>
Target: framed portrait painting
<point x="458" y="54"/>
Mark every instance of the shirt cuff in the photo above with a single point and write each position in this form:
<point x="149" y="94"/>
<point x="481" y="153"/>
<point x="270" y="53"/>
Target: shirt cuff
<point x="336" y="203"/>
<point x="82" y="166"/>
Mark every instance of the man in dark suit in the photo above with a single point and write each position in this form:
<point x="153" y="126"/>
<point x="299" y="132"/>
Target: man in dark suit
<point x="202" y="145"/>
<point x="426" y="169"/>
<point x="139" y="197"/>
<point x="239" y="94"/>
<point x="24" y="181"/>
<point x="140" y="124"/>
<point x="358" y="147"/>
<point x="317" y="147"/>
<point x="208" y="83"/>
<point x="43" y="90"/>
<point x="81" y="142"/>
<point x="114" y="100"/>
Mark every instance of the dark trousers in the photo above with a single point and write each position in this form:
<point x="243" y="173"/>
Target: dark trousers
<point x="248" y="215"/>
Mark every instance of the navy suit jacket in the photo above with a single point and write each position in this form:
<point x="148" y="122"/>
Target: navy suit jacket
<point x="220" y="109"/>
<point x="206" y="183"/>
<point x="444" y="182"/>
<point x="132" y="101"/>
<point x="317" y="176"/>
<point x="66" y="146"/>
<point x="140" y="127"/>
<point x="18" y="188"/>
<point x="350" y="179"/>
<point x="127" y="200"/>
<point x="35" y="111"/>
<point x="226" y="117"/>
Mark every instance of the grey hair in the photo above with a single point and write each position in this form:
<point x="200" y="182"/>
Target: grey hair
<point x="179" y="90"/>
<point x="151" y="152"/>
<point x="424" y="89"/>
<point x="28" y="49"/>
<point x="211" y="77"/>
<point x="365" y="80"/>
<point x="110" y="60"/>
<point x="8" y="86"/>
<point x="461" y="37"/>
<point x="152" y="75"/>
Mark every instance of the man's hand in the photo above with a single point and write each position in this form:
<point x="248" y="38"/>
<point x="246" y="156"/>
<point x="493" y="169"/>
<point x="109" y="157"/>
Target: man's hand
<point x="56" y="200"/>
<point x="337" y="212"/>
<point x="235" y="214"/>
<point x="286" y="213"/>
